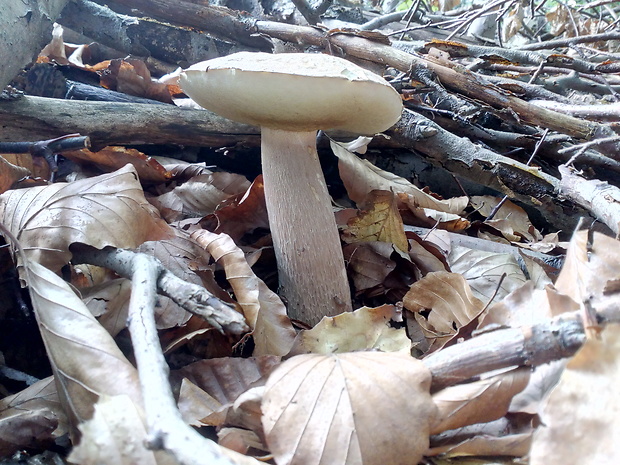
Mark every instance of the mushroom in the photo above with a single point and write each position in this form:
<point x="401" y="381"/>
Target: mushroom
<point x="290" y="97"/>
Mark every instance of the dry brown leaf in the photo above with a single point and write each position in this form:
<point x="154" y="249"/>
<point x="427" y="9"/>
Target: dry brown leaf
<point x="109" y="302"/>
<point x="242" y="215"/>
<point x="106" y="210"/>
<point x="369" y="264"/>
<point x="580" y="420"/>
<point x="379" y="221"/>
<point x="527" y="306"/>
<point x="114" y="158"/>
<point x="483" y="271"/>
<point x="82" y="353"/>
<point x="449" y="302"/>
<point x="239" y="440"/>
<point x="209" y="387"/>
<point x="510" y="220"/>
<point x="198" y="407"/>
<point x="478" y="402"/>
<point x="10" y="174"/>
<point x="591" y="272"/>
<point x="32" y="418"/>
<point x="360" y="177"/>
<point x="131" y="76"/>
<point x="264" y="311"/>
<point x="200" y="195"/>
<point x="363" y="407"/>
<point x="364" y="329"/>
<point x="115" y="434"/>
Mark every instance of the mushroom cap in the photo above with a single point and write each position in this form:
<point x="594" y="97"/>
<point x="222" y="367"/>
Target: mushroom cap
<point x="294" y="92"/>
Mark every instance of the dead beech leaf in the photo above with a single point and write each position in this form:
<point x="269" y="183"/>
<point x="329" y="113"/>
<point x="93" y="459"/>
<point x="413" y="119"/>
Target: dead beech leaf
<point x="114" y="158"/>
<point x="131" y="76"/>
<point x="109" y="302"/>
<point x="449" y="302"/>
<point x="348" y="409"/>
<point x="363" y="329"/>
<point x="510" y="220"/>
<point x="82" y="353"/>
<point x="209" y="387"/>
<point x="369" y="264"/>
<point x="115" y="434"/>
<point x="591" y="272"/>
<point x="379" y="221"/>
<point x="10" y="174"/>
<point x="241" y="215"/>
<point x="477" y="402"/>
<point x="200" y="196"/>
<point x="32" y="418"/>
<point x="264" y="311"/>
<point x="483" y="271"/>
<point x="580" y="421"/>
<point x="106" y="210"/>
<point x="361" y="177"/>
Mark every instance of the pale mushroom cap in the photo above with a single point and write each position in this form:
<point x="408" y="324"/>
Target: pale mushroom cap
<point x="294" y="92"/>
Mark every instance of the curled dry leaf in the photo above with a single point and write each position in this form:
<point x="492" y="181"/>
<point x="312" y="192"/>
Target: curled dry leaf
<point x="264" y="311"/>
<point x="322" y="409"/>
<point x="449" y="302"/>
<point x="580" y="420"/>
<point x="82" y="353"/>
<point x="379" y="221"/>
<point x="478" y="402"/>
<point x="591" y="271"/>
<point x="113" y="158"/>
<point x="10" y="174"/>
<point x="360" y="177"/>
<point x="103" y="210"/>
<point x="364" y="329"/>
<point x="510" y="220"/>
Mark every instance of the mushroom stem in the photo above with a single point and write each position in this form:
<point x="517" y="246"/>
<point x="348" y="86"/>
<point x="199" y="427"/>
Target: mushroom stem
<point x="311" y="268"/>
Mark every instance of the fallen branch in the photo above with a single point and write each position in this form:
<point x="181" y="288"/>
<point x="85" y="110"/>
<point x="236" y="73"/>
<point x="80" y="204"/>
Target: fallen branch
<point x="191" y="297"/>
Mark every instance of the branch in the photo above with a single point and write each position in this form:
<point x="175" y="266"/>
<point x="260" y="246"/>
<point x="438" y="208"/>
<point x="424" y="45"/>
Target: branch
<point x="527" y="346"/>
<point x="191" y="297"/>
<point x="166" y="428"/>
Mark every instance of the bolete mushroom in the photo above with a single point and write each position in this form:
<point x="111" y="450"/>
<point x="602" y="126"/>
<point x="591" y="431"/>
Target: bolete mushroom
<point x="290" y="97"/>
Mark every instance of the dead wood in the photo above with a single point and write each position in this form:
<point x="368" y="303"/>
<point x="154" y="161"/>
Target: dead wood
<point x="107" y="123"/>
<point x="25" y="28"/>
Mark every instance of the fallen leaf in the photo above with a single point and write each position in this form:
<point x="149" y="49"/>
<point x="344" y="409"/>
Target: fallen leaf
<point x="364" y="329"/>
<point x="449" y="302"/>
<point x="478" y="402"/>
<point x="264" y="311"/>
<point x="322" y="409"/>
<point x="580" y="421"/>
<point x="114" y="158"/>
<point x="360" y="177"/>
<point x="379" y="221"/>
<point x="106" y="210"/>
<point x="81" y="351"/>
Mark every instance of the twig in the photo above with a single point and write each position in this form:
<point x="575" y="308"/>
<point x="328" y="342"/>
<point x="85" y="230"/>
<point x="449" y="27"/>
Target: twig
<point x="191" y="297"/>
<point x="166" y="428"/>
<point x="528" y="346"/>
